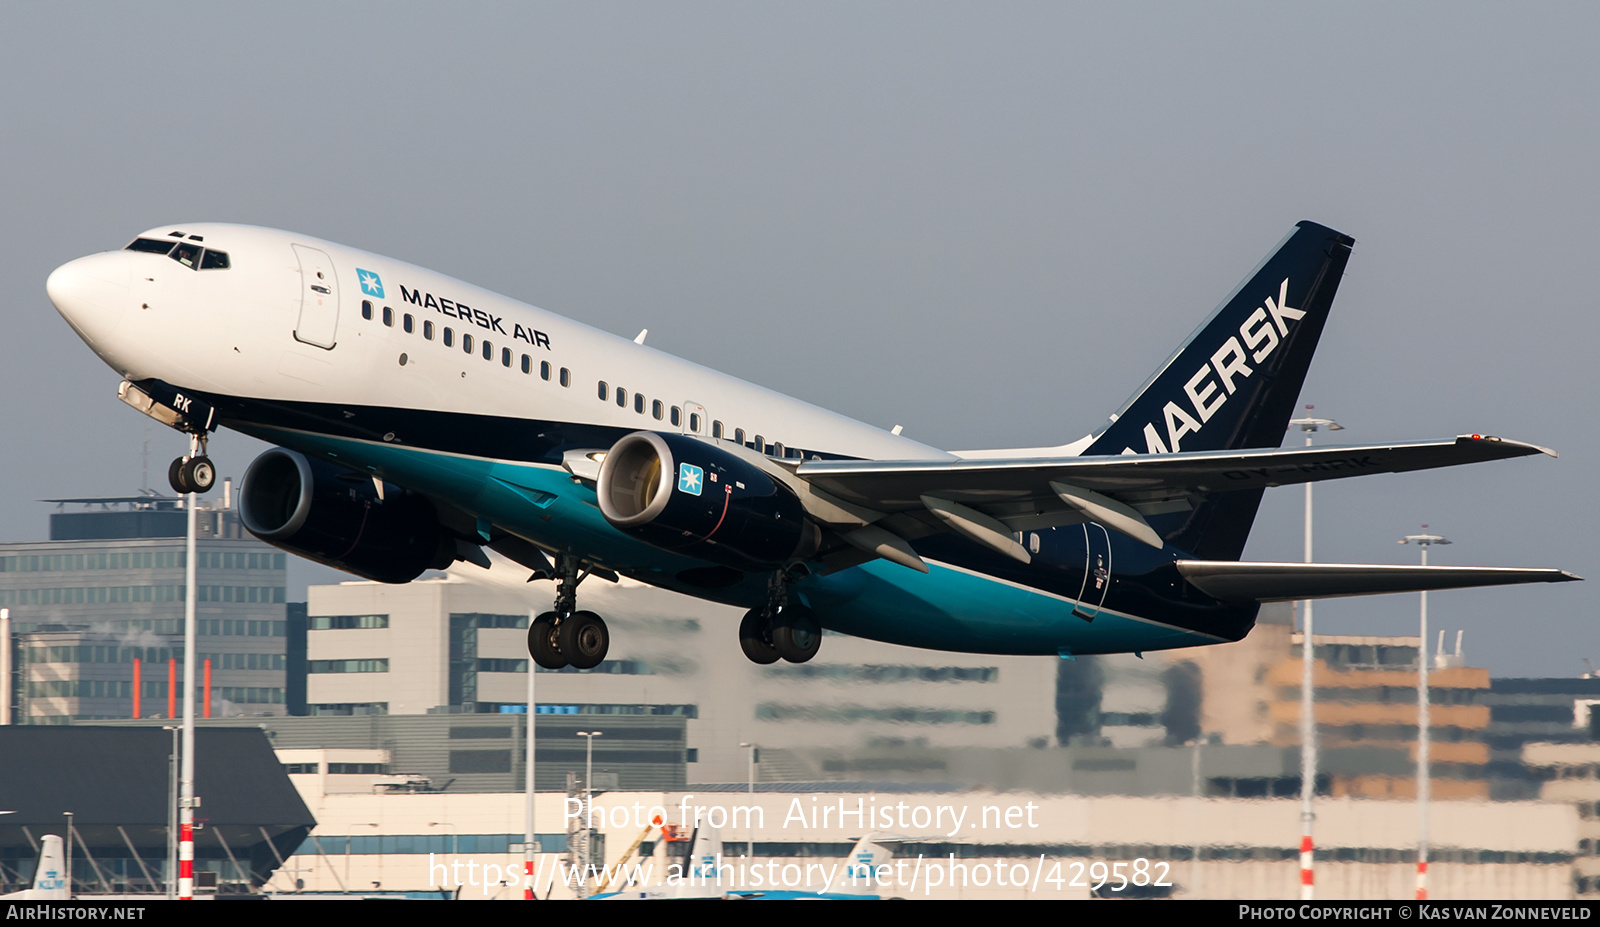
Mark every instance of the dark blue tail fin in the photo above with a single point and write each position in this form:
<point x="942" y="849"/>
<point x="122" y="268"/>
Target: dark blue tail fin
<point x="1235" y="382"/>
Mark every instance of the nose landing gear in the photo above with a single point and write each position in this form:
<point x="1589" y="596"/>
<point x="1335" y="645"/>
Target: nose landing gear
<point x="194" y="471"/>
<point x="566" y="636"/>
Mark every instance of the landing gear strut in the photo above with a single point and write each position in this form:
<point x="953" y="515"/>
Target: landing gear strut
<point x="566" y="636"/>
<point x="194" y="471"/>
<point x="779" y="629"/>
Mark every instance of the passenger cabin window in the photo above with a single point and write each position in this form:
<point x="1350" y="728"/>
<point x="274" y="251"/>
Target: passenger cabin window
<point x="716" y="429"/>
<point x="505" y="359"/>
<point x="566" y="377"/>
<point x="760" y="444"/>
<point x="604" y="390"/>
<point x="388" y="316"/>
<point x="409" y="323"/>
<point x="694" y="422"/>
<point x="527" y="364"/>
<point x="677" y="417"/>
<point x="738" y="435"/>
<point x="466" y="343"/>
<point x="657" y="409"/>
<point x="366" y="309"/>
<point x="638" y="403"/>
<point x="777" y="450"/>
<point x="544" y="370"/>
<point x="427" y="329"/>
<point x="622" y="397"/>
<point x="488" y="350"/>
<point x="449" y="336"/>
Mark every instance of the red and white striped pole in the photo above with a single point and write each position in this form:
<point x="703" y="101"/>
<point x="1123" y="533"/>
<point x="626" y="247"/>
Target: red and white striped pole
<point x="1308" y="720"/>
<point x="186" y="779"/>
<point x="186" y="858"/>
<point x="1307" y="875"/>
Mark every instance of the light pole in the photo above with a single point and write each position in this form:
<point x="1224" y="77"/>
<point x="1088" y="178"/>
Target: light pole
<point x="588" y="803"/>
<point x="68" y="863"/>
<point x="1424" y="783"/>
<point x="172" y="813"/>
<point x="750" y="789"/>
<point x="186" y="798"/>
<point x="529" y="837"/>
<point x="1308" y="724"/>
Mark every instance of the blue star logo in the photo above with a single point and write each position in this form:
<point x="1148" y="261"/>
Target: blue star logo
<point x="371" y="283"/>
<point x="690" y="478"/>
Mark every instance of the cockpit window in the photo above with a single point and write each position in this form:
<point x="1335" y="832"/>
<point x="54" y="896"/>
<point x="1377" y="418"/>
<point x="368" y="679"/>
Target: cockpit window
<point x="186" y="254"/>
<point x="189" y="255"/>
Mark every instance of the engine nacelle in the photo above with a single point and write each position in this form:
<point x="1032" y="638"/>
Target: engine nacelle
<point x="687" y="496"/>
<point x="335" y="516"/>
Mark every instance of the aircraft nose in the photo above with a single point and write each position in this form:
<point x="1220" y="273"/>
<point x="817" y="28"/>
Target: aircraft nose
<point x="91" y="293"/>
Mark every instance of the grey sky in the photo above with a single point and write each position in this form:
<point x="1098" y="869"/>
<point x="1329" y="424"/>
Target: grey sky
<point x="985" y="222"/>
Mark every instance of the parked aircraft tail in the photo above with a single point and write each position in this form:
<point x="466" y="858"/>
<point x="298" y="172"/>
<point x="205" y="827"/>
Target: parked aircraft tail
<point x="50" y="879"/>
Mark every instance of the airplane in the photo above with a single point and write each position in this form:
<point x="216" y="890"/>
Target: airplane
<point x="418" y="420"/>
<point x="49" y="880"/>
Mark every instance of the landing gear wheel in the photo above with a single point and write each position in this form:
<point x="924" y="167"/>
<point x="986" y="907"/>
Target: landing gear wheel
<point x="193" y="474"/>
<point x="542" y="644"/>
<point x="753" y="638"/>
<point x="796" y="636"/>
<point x="202" y="474"/>
<point x="584" y="639"/>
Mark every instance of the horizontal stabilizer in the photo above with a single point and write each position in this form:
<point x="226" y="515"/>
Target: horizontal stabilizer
<point x="1232" y="581"/>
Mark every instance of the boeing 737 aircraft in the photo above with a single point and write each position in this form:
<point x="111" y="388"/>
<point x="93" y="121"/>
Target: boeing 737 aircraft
<point x="420" y="419"/>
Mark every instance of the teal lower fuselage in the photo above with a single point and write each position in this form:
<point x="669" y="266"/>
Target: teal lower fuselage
<point x="964" y="603"/>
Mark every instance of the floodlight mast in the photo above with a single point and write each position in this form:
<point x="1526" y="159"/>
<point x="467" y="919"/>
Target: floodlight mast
<point x="1308" y="724"/>
<point x="1424" y="782"/>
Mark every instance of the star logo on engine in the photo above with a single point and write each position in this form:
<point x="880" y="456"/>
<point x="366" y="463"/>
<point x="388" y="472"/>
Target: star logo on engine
<point x="690" y="478"/>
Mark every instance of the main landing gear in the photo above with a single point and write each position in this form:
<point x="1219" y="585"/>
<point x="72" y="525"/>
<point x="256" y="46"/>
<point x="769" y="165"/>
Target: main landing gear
<point x="194" y="471"/>
<point x="779" y="629"/>
<point x="566" y="636"/>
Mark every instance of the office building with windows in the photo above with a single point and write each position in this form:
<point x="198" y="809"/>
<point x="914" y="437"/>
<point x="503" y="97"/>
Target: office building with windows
<point x="459" y="645"/>
<point x="106" y="595"/>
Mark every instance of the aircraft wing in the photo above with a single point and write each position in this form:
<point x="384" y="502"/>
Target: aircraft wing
<point x="1281" y="582"/>
<point x="990" y="499"/>
<point x="898" y="484"/>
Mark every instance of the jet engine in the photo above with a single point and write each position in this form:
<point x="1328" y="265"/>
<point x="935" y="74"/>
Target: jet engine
<point x="341" y="518"/>
<point x="692" y="497"/>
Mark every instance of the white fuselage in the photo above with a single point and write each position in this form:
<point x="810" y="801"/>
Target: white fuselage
<point x="233" y="332"/>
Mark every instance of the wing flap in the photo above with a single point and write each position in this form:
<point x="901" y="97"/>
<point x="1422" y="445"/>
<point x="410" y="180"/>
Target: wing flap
<point x="1233" y="581"/>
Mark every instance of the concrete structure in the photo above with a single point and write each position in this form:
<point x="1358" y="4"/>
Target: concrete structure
<point x="458" y="645"/>
<point x="1505" y="851"/>
<point x="1529" y="711"/>
<point x="109" y="586"/>
<point x="1249" y="693"/>
<point x="1570" y="773"/>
